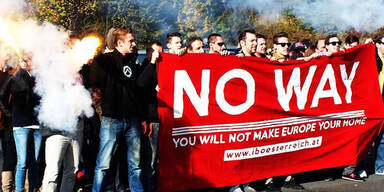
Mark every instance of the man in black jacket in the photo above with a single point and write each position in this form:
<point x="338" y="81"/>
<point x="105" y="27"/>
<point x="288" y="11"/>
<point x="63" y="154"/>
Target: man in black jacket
<point x="115" y="75"/>
<point x="147" y="81"/>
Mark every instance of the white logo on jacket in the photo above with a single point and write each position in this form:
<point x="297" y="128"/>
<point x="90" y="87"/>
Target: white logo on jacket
<point x="127" y="71"/>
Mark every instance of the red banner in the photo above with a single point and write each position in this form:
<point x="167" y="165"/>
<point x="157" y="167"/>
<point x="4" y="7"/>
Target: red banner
<point x="227" y="120"/>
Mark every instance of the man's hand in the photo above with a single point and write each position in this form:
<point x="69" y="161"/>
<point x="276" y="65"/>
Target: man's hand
<point x="155" y="56"/>
<point x="225" y="53"/>
<point x="328" y="54"/>
<point x="369" y="40"/>
<point x="181" y="51"/>
<point x="240" y="55"/>
<point x="314" y="55"/>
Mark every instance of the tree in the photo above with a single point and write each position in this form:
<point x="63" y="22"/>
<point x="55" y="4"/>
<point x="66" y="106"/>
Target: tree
<point x="100" y="15"/>
<point x="73" y="15"/>
<point x="295" y="27"/>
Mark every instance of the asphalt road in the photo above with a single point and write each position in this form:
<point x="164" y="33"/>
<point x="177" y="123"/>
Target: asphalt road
<point x="374" y="183"/>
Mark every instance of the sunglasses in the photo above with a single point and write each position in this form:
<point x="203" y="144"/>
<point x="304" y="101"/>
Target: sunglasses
<point x="335" y="43"/>
<point x="221" y="44"/>
<point x="284" y="44"/>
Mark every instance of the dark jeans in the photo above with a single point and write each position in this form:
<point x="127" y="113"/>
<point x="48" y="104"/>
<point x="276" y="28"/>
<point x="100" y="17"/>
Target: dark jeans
<point x="9" y="149"/>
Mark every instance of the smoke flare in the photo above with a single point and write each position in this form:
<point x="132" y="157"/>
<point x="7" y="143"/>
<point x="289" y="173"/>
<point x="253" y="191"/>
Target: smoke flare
<point x="7" y="38"/>
<point x="54" y="64"/>
<point x="86" y="48"/>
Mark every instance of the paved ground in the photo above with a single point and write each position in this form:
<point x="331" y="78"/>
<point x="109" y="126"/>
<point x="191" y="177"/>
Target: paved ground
<point x="374" y="183"/>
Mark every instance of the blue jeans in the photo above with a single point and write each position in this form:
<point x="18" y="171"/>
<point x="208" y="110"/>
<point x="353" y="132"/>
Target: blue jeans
<point x="379" y="162"/>
<point x="111" y="131"/>
<point x="23" y="137"/>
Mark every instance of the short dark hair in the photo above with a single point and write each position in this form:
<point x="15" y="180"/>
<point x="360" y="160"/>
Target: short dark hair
<point x="170" y="35"/>
<point x="191" y="40"/>
<point x="278" y="35"/>
<point x="351" y="38"/>
<point x="307" y="43"/>
<point x="243" y="34"/>
<point x="149" y="50"/>
<point x="119" y="33"/>
<point x="212" y="37"/>
<point x="329" y="37"/>
<point x="378" y="38"/>
<point x="260" y="36"/>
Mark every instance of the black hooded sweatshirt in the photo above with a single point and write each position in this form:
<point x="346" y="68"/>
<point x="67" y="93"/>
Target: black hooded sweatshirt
<point x="116" y="75"/>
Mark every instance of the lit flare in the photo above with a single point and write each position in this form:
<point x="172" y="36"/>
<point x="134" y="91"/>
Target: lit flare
<point x="7" y="38"/>
<point x="86" y="48"/>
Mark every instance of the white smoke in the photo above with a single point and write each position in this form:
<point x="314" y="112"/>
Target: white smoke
<point x="363" y="15"/>
<point x="56" y="68"/>
<point x="11" y="7"/>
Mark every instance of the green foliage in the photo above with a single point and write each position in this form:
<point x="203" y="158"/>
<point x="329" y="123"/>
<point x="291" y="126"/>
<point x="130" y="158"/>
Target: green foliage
<point x="70" y="14"/>
<point x="292" y="25"/>
<point x="200" y="18"/>
<point x="97" y="16"/>
<point x="135" y="14"/>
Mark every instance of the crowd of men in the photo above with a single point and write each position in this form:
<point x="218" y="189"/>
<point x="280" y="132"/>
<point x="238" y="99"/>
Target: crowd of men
<point x="117" y="148"/>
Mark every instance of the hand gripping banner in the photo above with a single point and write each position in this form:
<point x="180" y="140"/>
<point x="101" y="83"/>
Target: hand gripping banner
<point x="227" y="120"/>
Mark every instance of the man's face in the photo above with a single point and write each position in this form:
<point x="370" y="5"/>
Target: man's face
<point x="128" y="44"/>
<point x="333" y="45"/>
<point x="27" y="64"/>
<point x="197" y="47"/>
<point x="353" y="44"/>
<point x="218" y="45"/>
<point x="174" y="45"/>
<point x="249" y="43"/>
<point x="282" y="46"/>
<point x="320" y="48"/>
<point x="157" y="48"/>
<point x="261" y="46"/>
<point x="380" y="46"/>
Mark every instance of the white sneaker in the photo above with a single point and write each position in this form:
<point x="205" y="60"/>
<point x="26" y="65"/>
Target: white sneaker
<point x="238" y="190"/>
<point x="250" y="189"/>
<point x="363" y="174"/>
<point x="379" y="173"/>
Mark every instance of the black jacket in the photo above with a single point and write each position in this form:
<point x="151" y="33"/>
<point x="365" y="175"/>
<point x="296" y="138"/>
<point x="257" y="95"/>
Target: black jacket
<point x="5" y="103"/>
<point x="24" y="100"/>
<point x="379" y="64"/>
<point x="116" y="75"/>
<point x="147" y="81"/>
